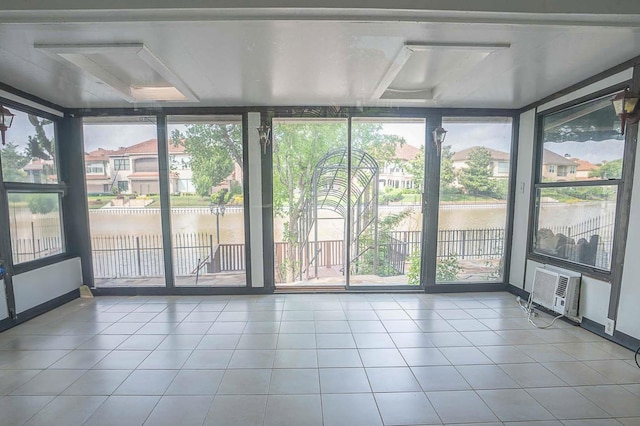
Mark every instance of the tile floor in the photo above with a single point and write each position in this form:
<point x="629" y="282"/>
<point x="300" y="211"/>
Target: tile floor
<point x="334" y="359"/>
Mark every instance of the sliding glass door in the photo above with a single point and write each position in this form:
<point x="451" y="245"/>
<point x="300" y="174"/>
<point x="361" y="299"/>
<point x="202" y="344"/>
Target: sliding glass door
<point x="387" y="182"/>
<point x="206" y="186"/>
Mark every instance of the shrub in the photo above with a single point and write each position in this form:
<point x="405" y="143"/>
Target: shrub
<point x="42" y="203"/>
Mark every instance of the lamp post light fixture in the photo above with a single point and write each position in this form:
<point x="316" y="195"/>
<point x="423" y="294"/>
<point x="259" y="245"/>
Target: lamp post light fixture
<point x="6" y="118"/>
<point x="626" y="106"/>
<point x="218" y="209"/>
<point x="264" y="133"/>
<point x="439" y="135"/>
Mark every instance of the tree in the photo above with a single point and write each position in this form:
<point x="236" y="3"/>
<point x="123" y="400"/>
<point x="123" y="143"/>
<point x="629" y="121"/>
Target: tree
<point x="610" y="170"/>
<point x="476" y="178"/>
<point x="12" y="163"/>
<point x="447" y="172"/>
<point x="40" y="146"/>
<point x="42" y="203"/>
<point x="213" y="149"/>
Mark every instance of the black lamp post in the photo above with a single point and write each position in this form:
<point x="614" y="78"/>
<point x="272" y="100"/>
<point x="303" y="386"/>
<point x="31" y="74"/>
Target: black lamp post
<point x="218" y="209"/>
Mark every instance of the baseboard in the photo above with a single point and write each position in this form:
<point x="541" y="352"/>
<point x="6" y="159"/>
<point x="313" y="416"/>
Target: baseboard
<point x="8" y="323"/>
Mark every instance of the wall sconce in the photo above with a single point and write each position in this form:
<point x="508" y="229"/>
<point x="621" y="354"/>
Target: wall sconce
<point x="264" y="132"/>
<point x="438" y="138"/>
<point x="6" y="118"/>
<point x="626" y="106"/>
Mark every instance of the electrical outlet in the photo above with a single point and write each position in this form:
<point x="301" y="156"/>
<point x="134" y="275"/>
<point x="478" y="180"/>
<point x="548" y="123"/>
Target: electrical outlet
<point x="609" y="326"/>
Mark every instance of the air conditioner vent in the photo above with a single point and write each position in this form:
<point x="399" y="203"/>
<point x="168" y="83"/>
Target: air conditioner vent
<point x="563" y="281"/>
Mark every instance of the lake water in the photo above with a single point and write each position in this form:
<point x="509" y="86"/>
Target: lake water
<point x="331" y="227"/>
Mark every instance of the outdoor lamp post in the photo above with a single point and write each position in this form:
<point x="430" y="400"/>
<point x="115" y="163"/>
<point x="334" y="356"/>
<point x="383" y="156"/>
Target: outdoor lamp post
<point x="626" y="105"/>
<point x="6" y="118"/>
<point x="217" y="209"/>
<point x="438" y="138"/>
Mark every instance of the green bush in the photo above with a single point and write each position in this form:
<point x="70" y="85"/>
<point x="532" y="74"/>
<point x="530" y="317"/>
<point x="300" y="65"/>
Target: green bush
<point x="448" y="269"/>
<point x="391" y="195"/>
<point x="43" y="203"/>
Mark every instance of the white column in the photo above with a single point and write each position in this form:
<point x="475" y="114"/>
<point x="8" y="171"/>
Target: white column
<point x="255" y="201"/>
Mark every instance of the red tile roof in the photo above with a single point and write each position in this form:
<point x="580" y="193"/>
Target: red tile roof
<point x="406" y="152"/>
<point x="495" y="154"/>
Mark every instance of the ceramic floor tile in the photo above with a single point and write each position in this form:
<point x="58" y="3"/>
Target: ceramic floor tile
<point x="382" y="358"/>
<point x="123" y="411"/>
<point x="486" y="377"/>
<point x="122" y="360"/>
<point x="16" y="410"/>
<point x="460" y="407"/>
<point x="296" y="358"/>
<point x="67" y="410"/>
<point x="12" y="379"/>
<point x="614" y="399"/>
<point x="165" y="360"/>
<point x="252" y="359"/>
<point x="532" y="375"/>
<point x="237" y="410"/>
<point x="183" y="410"/>
<point x="208" y="359"/>
<point x="294" y="381"/>
<point x="406" y="408"/>
<point x="393" y="379"/>
<point x="566" y="403"/>
<point x="245" y="382"/>
<point x="339" y="358"/>
<point x="146" y="382"/>
<point x="97" y="382"/>
<point x="350" y="410"/>
<point x="577" y="373"/>
<point x="344" y="380"/>
<point x="195" y="382"/>
<point x="294" y="410"/>
<point x="514" y="405"/>
<point x="440" y="378"/>
<point x="49" y="382"/>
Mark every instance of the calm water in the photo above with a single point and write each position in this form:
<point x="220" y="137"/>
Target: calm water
<point x="331" y="227"/>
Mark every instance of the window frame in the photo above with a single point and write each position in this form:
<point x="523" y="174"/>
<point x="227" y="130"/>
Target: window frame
<point x="60" y="188"/>
<point x="621" y="185"/>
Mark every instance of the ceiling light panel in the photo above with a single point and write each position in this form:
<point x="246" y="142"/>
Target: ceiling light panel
<point x="135" y="72"/>
<point x="419" y="69"/>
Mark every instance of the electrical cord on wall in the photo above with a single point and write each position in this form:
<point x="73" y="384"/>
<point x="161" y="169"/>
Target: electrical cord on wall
<point x="528" y="308"/>
<point x="636" y="357"/>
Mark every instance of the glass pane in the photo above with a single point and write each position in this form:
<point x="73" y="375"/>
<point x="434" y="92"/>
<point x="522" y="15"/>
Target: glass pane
<point x="207" y="200"/>
<point x="309" y="201"/>
<point x="30" y="152"/>
<point x="36" y="228"/>
<point x="387" y="158"/>
<point x="577" y="223"/>
<point x="474" y="182"/>
<point x="121" y="163"/>
<point x="582" y="143"/>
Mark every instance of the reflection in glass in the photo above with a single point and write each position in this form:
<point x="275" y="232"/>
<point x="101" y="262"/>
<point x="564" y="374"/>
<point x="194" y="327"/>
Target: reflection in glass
<point x="35" y="226"/>
<point x="121" y="164"/>
<point x="577" y="224"/>
<point x="474" y="182"/>
<point x="30" y="152"/>
<point x="582" y="143"/>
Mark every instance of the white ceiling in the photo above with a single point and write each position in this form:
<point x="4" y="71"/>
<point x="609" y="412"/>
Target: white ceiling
<point x="310" y="62"/>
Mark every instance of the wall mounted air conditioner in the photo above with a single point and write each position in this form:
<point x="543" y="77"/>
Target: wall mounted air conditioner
<point x="557" y="290"/>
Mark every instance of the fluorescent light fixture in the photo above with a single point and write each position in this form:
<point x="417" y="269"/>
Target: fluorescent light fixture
<point x="157" y="94"/>
<point x="132" y="69"/>
<point x="430" y="64"/>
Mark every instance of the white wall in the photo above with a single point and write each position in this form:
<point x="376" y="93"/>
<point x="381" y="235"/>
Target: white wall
<point x="4" y="311"/>
<point x="628" y="320"/>
<point x="522" y="199"/>
<point x="41" y="285"/>
<point x="595" y="294"/>
<point x="255" y="201"/>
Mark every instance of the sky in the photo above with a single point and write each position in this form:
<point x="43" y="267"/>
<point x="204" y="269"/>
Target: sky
<point x="495" y="135"/>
